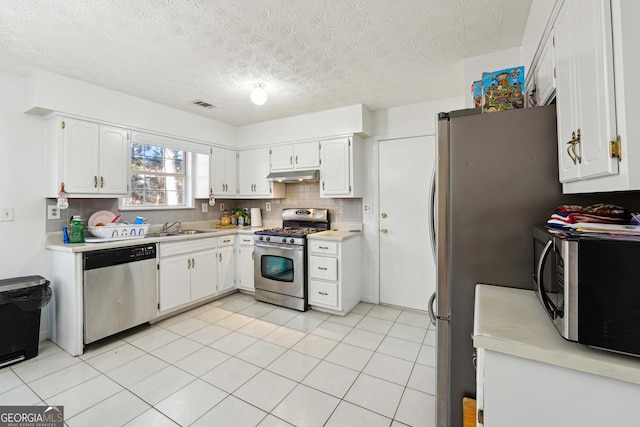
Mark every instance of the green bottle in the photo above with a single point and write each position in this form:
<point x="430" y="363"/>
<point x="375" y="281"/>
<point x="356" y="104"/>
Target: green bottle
<point x="76" y="234"/>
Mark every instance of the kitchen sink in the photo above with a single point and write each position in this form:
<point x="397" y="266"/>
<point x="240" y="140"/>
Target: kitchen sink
<point x="178" y="233"/>
<point x="195" y="231"/>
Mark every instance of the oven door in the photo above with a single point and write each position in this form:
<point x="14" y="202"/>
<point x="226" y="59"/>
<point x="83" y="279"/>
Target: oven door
<point x="279" y="268"/>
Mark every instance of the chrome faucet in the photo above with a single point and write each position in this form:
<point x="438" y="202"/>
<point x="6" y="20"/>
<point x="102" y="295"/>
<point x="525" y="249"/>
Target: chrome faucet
<point x="166" y="226"/>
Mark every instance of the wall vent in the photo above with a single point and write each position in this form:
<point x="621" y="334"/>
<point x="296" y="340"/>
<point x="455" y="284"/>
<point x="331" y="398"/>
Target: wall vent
<point x="203" y="104"/>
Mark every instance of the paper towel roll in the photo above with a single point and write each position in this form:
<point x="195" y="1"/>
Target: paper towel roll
<point x="256" y="217"/>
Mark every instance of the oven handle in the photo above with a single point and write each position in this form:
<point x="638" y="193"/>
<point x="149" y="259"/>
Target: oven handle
<point x="276" y="246"/>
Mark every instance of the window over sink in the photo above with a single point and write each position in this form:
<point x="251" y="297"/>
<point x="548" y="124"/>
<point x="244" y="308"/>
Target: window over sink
<point x="160" y="177"/>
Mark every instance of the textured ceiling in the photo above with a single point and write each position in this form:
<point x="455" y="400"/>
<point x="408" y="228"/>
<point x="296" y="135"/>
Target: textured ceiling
<point x="312" y="55"/>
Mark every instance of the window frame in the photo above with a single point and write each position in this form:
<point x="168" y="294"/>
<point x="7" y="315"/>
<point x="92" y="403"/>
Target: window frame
<point x="165" y="143"/>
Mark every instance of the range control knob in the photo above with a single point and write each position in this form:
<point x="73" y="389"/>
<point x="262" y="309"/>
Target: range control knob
<point x="261" y="238"/>
<point x="291" y="241"/>
<point x="268" y="239"/>
<point x="284" y="240"/>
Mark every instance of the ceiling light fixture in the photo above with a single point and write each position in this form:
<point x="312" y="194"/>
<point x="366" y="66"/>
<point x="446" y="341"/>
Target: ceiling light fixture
<point x="259" y="94"/>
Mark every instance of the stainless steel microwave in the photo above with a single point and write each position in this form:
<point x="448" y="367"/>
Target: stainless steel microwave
<point x="590" y="288"/>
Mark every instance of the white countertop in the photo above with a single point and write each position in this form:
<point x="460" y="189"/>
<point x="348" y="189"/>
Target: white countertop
<point x="338" y="235"/>
<point x="54" y="240"/>
<point x="513" y="321"/>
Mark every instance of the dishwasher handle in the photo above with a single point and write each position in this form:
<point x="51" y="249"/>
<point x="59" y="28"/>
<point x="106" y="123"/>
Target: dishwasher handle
<point x="116" y="256"/>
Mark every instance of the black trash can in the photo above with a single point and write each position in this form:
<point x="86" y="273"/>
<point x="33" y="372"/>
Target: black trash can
<point x="21" y="301"/>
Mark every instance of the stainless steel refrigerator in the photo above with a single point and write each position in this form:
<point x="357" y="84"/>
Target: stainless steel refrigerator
<point x="496" y="177"/>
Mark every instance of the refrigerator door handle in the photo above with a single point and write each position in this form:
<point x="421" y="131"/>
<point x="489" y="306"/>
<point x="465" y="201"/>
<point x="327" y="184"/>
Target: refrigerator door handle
<point x="432" y="314"/>
<point x="432" y="213"/>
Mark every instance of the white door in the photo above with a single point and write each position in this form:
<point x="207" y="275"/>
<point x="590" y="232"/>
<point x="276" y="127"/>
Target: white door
<point x="407" y="267"/>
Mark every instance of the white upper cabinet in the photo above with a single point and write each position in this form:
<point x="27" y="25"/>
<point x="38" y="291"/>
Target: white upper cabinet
<point x="304" y="155"/>
<point x="223" y="172"/>
<point x="91" y="160"/>
<point x="253" y="168"/>
<point x="585" y="90"/>
<point x="544" y="77"/>
<point x="341" y="171"/>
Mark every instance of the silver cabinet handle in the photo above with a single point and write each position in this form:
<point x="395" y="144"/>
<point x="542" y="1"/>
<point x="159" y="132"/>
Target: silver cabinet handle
<point x="95" y="181"/>
<point x="323" y="247"/>
<point x="101" y="182"/>
<point x="290" y="160"/>
<point x="322" y="268"/>
<point x="323" y="293"/>
<point x="296" y="160"/>
<point x="193" y="262"/>
<point x="220" y="257"/>
<point x="189" y="263"/>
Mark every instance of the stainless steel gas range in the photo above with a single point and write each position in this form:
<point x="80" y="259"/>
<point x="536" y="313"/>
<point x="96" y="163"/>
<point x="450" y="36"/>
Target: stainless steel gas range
<point x="281" y="257"/>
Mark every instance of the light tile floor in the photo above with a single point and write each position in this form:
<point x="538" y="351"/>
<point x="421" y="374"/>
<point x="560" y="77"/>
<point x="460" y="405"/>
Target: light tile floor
<point x="237" y="362"/>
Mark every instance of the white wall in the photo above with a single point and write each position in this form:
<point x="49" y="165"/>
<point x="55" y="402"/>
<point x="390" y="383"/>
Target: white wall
<point x="22" y="186"/>
<point x="354" y="119"/>
<point x="48" y="92"/>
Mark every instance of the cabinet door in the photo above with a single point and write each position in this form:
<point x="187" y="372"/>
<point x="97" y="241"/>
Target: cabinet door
<point x="260" y="171"/>
<point x="226" y="270"/>
<point x="565" y="89"/>
<point x="203" y="274"/>
<point x="245" y="267"/>
<point x="281" y="158"/>
<point x="174" y="282"/>
<point x="595" y="87"/>
<point x="81" y="156"/>
<point x="544" y="75"/>
<point x="585" y="89"/>
<point x="114" y="161"/>
<point x="246" y="176"/>
<point x="230" y="172"/>
<point x="306" y="155"/>
<point x="336" y="167"/>
<point x="223" y="172"/>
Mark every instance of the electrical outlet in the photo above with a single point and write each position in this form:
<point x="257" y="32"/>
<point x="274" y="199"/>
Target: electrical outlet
<point x="53" y="212"/>
<point x="6" y="213"/>
<point x="366" y="208"/>
<point x="268" y="207"/>
<point x="205" y="208"/>
<point x="221" y="206"/>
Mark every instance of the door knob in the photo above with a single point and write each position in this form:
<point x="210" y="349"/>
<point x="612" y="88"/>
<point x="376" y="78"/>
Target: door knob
<point x="384" y="215"/>
<point x="383" y="230"/>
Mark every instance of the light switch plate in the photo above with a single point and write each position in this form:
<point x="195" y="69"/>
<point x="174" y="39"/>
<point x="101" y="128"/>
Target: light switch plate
<point x="268" y="207"/>
<point x="205" y="207"/>
<point x="6" y="213"/>
<point x="221" y="206"/>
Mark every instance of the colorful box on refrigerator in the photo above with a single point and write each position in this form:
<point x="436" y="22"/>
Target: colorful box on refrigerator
<point x="503" y="90"/>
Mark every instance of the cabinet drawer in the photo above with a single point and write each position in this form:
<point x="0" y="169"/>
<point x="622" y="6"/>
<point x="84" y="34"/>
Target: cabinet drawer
<point x="323" y="293"/>
<point x="323" y="268"/>
<point x="226" y="240"/>
<point x="246" y="240"/>
<point x="323" y="247"/>
<point x="176" y="248"/>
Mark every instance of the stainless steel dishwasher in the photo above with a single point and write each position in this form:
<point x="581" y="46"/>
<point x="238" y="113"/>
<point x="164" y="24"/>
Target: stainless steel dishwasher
<point x="120" y="289"/>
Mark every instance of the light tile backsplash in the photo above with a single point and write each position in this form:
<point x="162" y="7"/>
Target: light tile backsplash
<point x="297" y="196"/>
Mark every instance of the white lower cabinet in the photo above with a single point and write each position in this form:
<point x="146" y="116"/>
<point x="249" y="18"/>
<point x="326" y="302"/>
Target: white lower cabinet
<point x="226" y="264"/>
<point x="187" y="273"/>
<point x="245" y="263"/>
<point x="334" y="285"/>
